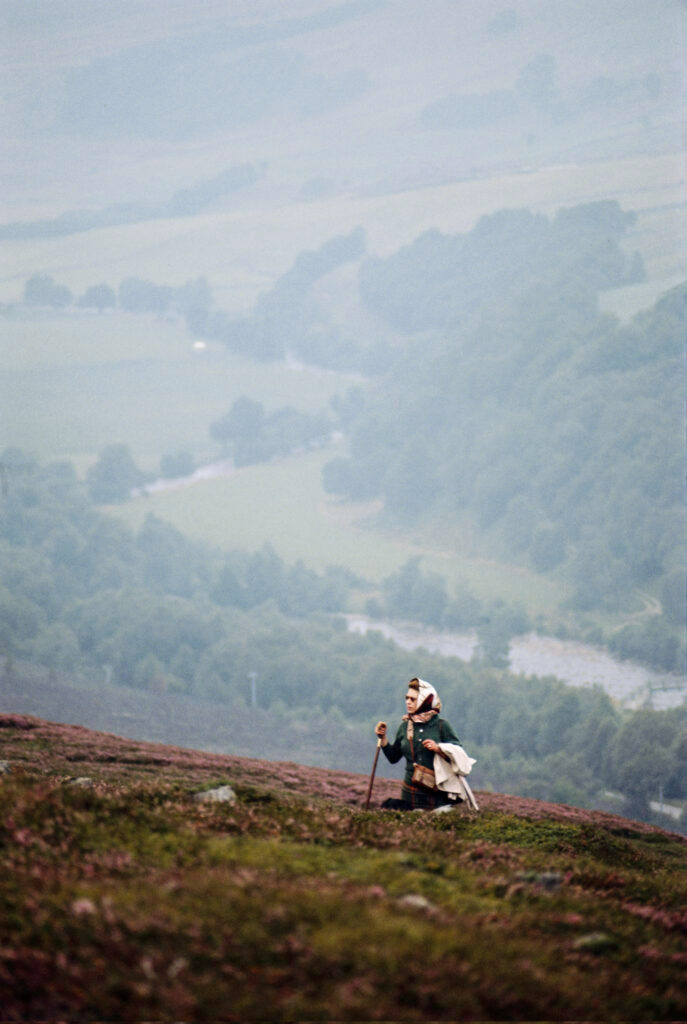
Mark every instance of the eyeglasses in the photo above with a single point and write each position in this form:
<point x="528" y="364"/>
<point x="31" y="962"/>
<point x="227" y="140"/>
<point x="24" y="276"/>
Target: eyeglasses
<point x="411" y="696"/>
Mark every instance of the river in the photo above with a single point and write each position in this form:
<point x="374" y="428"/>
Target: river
<point x="627" y="682"/>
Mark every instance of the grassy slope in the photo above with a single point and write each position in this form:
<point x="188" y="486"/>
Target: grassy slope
<point x="130" y="900"/>
<point x="283" y="503"/>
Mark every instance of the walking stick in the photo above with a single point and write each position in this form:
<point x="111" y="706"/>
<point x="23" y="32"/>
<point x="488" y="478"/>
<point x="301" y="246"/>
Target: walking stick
<point x="372" y="776"/>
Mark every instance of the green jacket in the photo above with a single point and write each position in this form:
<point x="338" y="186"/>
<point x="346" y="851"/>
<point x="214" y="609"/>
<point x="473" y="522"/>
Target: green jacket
<point x="437" y="729"/>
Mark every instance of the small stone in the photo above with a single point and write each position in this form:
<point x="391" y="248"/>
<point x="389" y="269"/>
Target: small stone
<point x="550" y="881"/>
<point x="84" y="782"/>
<point x="5" y="768"/>
<point x="83" y="907"/>
<point x="413" y="901"/>
<point x="595" y="942"/>
<point x="222" y="795"/>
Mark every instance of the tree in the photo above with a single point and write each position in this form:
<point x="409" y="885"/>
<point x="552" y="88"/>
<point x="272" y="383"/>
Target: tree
<point x="144" y="297"/>
<point x="641" y="757"/>
<point x="548" y="548"/>
<point x="98" y="296"/>
<point x="177" y="464"/>
<point x="114" y="475"/>
<point x="673" y="598"/>
<point x="42" y="290"/>
<point x="242" y="423"/>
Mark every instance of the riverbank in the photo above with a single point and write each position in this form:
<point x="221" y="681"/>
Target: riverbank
<point x="630" y="684"/>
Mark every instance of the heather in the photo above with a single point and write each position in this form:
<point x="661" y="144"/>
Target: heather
<point x="123" y="897"/>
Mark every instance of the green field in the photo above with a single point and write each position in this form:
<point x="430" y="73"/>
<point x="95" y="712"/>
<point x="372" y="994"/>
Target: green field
<point x="71" y="384"/>
<point x="284" y="504"/>
<point x="241" y="251"/>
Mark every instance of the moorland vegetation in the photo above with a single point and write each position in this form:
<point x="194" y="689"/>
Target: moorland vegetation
<point x="123" y="894"/>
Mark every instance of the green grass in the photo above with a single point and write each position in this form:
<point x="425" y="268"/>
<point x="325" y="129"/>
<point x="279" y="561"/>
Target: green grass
<point x="284" y="504"/>
<point x="71" y="384"/>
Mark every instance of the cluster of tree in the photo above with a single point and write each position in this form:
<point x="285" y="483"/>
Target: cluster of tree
<point x="534" y="417"/>
<point x="252" y="435"/>
<point x="84" y="595"/>
<point x="441" y="282"/>
<point x="191" y="299"/>
<point x="536" y="91"/>
<point x="410" y="593"/>
<point x="287" y="321"/>
<point x="205" y="82"/>
<point x="185" y="203"/>
<point x="75" y="578"/>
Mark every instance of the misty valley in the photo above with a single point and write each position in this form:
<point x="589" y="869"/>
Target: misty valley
<point x="504" y="406"/>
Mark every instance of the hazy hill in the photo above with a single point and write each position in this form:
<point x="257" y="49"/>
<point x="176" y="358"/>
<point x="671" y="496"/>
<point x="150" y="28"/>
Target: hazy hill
<point x="361" y="112"/>
<point x="124" y="897"/>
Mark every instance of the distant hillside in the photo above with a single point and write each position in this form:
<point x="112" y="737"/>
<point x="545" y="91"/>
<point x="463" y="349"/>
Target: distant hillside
<point x="125" y="897"/>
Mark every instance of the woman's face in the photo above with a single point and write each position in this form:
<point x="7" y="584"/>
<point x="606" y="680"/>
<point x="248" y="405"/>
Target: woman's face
<point x="411" y="701"/>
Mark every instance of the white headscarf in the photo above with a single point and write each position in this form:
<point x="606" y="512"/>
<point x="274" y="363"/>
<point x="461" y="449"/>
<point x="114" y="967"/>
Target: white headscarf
<point x="424" y="690"/>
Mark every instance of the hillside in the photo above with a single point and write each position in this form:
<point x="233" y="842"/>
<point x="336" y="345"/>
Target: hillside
<point x="123" y="897"/>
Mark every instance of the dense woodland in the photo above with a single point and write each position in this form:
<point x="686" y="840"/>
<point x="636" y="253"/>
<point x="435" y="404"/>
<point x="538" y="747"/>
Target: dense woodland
<point x="84" y="596"/>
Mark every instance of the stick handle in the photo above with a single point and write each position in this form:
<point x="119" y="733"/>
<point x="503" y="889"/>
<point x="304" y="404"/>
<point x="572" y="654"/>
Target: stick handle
<point x="372" y="776"/>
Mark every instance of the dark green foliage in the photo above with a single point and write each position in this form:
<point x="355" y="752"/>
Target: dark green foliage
<point x="410" y="594"/>
<point x="252" y="436"/>
<point x="98" y="296"/>
<point x="673" y="598"/>
<point x="114" y="475"/>
<point x="523" y="407"/>
<point x="285" y="322"/>
<point x="152" y="611"/>
<point x="177" y="464"/>
<point x="137" y="296"/>
<point x="42" y="290"/>
<point x="185" y="203"/>
<point x="652" y="641"/>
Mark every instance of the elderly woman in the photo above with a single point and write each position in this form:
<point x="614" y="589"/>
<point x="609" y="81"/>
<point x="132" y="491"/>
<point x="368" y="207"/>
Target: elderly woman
<point x="417" y="739"/>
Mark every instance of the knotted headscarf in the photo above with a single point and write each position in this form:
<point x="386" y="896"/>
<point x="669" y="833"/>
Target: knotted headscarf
<point x="428" y="704"/>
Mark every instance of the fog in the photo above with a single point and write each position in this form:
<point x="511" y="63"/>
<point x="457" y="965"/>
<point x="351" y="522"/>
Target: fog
<point x="366" y="299"/>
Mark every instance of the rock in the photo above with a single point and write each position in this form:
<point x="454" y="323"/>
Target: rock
<point x="549" y="881"/>
<point x="413" y="901"/>
<point x="84" y="782"/>
<point x="5" y="768"/>
<point x="445" y="808"/>
<point x="595" y="942"/>
<point x="222" y="795"/>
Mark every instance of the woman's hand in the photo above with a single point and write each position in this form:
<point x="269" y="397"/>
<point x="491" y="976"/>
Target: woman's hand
<point x="431" y="745"/>
<point x="380" y="730"/>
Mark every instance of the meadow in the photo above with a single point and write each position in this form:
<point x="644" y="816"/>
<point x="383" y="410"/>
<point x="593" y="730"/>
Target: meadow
<point x="283" y="503"/>
<point x="243" y="249"/>
<point x="73" y="383"/>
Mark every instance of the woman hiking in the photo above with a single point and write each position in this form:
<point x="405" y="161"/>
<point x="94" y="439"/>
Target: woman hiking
<point x="422" y="736"/>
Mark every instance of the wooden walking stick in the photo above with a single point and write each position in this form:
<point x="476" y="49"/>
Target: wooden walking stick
<point x="372" y="776"/>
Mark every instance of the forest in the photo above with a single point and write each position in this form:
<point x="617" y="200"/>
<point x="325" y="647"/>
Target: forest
<point x="495" y="395"/>
<point x="82" y="595"/>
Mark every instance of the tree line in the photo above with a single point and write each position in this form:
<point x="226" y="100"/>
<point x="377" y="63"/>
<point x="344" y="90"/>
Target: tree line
<point x="151" y="610"/>
<point x="508" y="400"/>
